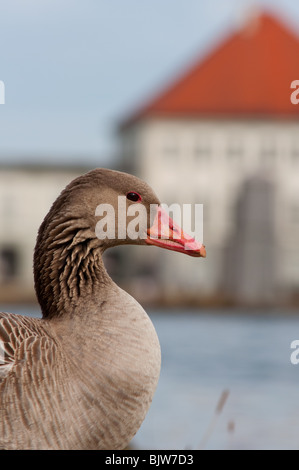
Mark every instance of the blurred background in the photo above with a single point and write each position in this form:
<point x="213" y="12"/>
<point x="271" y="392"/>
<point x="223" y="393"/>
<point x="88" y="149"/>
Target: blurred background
<point x="195" y="98"/>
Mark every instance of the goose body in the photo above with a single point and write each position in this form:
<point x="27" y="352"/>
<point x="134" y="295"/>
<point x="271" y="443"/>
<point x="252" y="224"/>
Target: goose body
<point x="83" y="376"/>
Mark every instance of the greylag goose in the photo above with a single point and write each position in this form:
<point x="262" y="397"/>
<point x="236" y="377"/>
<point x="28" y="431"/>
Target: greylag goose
<point x="82" y="376"/>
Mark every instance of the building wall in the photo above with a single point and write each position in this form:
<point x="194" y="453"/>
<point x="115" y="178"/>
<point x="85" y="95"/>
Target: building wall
<point x="209" y="161"/>
<point x="26" y="195"/>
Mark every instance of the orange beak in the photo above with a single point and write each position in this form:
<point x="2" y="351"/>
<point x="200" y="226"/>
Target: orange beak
<point x="167" y="234"/>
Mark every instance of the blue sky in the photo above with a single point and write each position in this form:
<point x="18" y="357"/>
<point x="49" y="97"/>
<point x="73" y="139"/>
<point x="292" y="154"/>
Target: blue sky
<point x="72" y="69"/>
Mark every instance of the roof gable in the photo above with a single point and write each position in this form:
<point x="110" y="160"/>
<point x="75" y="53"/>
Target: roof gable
<point x="249" y="74"/>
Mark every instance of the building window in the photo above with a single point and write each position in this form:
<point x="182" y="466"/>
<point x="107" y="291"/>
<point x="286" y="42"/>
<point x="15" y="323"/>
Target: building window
<point x="128" y="146"/>
<point x="268" y="153"/>
<point x="170" y="150"/>
<point x="235" y="151"/>
<point x="202" y="151"/>
<point x="295" y="154"/>
<point x="9" y="263"/>
<point x="295" y="214"/>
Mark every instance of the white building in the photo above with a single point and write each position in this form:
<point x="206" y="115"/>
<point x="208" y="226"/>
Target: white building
<point x="26" y="195"/>
<point x="226" y="134"/>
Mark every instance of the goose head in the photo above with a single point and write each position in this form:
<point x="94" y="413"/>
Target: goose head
<point x="134" y="215"/>
<point x="96" y="211"/>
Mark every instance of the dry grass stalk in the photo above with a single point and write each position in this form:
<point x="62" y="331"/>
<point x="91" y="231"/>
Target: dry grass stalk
<point x="220" y="405"/>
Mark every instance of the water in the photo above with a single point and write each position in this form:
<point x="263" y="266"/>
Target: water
<point x="203" y="355"/>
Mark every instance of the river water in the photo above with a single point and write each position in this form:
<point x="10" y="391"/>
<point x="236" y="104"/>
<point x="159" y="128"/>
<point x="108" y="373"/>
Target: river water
<point x="205" y="354"/>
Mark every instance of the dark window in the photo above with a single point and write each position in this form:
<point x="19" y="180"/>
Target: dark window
<point x="8" y="263"/>
<point x="235" y="151"/>
<point x="268" y="152"/>
<point x="202" y="151"/>
<point x="170" y="151"/>
<point x="295" y="154"/>
<point x="295" y="214"/>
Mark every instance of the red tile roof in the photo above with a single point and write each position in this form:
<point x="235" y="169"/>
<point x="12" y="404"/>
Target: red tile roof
<point x="248" y="75"/>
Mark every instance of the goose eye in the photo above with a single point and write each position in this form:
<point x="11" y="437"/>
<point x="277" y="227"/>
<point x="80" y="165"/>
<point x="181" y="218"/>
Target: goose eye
<point x="132" y="196"/>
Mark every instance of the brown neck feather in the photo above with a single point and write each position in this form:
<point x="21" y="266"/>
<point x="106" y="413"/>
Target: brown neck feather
<point x="68" y="266"/>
